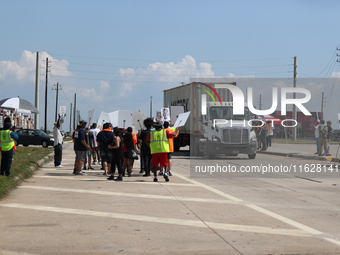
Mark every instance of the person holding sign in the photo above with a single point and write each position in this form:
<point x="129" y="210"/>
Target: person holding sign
<point x="158" y="140"/>
<point x="171" y="144"/>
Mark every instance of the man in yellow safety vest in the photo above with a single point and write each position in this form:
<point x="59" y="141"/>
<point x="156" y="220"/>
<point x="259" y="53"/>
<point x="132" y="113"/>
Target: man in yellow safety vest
<point x="158" y="140"/>
<point x="7" y="144"/>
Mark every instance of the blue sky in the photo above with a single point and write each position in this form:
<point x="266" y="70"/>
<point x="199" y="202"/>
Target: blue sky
<point x="116" y="54"/>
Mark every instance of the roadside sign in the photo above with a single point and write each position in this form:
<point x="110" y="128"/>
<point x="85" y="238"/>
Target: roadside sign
<point x="62" y="111"/>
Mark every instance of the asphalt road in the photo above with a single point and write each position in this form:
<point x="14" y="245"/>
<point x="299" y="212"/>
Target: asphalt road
<point x="56" y="212"/>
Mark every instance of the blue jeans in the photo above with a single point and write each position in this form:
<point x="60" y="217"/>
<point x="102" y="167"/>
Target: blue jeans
<point x="264" y="142"/>
<point x="58" y="152"/>
<point x="317" y="145"/>
<point x="6" y="162"/>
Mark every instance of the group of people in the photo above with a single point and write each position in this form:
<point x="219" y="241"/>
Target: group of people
<point x="323" y="136"/>
<point x="264" y="133"/>
<point x="118" y="148"/>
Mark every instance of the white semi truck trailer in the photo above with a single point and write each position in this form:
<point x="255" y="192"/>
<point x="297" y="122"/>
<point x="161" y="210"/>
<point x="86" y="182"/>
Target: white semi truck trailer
<point x="212" y="128"/>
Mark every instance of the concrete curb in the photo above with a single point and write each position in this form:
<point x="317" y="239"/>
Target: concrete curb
<point x="42" y="161"/>
<point x="297" y="155"/>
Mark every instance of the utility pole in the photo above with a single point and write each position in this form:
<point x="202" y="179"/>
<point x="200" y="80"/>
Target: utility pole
<point x="322" y="105"/>
<point x="46" y="79"/>
<point x="260" y="102"/>
<point x="56" y="101"/>
<point x="150" y="107"/>
<point x="74" y="111"/>
<point x="36" y="115"/>
<point x="71" y="118"/>
<point x="294" y="96"/>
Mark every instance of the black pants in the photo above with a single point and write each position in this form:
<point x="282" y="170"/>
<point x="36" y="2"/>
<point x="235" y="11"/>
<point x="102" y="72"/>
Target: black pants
<point x="58" y="152"/>
<point x="6" y="162"/>
<point x="117" y="161"/>
<point x="147" y="162"/>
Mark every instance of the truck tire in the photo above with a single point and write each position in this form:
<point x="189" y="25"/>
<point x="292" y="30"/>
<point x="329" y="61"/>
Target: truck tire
<point x="207" y="150"/>
<point x="252" y="156"/>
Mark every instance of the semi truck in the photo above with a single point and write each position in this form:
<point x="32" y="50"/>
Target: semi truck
<point x="212" y="128"/>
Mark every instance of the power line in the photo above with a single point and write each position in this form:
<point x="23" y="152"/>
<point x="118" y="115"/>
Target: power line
<point x="157" y="60"/>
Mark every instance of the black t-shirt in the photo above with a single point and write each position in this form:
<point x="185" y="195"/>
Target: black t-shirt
<point x="79" y="135"/>
<point x="145" y="148"/>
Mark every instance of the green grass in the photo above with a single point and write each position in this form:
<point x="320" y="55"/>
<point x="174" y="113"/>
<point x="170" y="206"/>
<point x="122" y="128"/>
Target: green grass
<point x="23" y="159"/>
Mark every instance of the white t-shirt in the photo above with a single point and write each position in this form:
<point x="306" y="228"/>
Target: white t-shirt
<point x="58" y="138"/>
<point x="95" y="132"/>
<point x="317" y="131"/>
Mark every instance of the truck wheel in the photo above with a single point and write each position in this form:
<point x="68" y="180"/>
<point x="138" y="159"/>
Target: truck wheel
<point x="251" y="156"/>
<point x="208" y="150"/>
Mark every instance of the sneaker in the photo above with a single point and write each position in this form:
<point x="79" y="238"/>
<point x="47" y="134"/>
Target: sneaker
<point x="119" y="179"/>
<point x="84" y="168"/>
<point x="129" y="174"/>
<point x="80" y="173"/>
<point x="170" y="173"/>
<point x="160" y="173"/>
<point x="59" y="166"/>
<point x="146" y="175"/>
<point x="141" y="171"/>
<point x="90" y="167"/>
<point x="166" y="177"/>
<point x="328" y="154"/>
<point x="104" y="173"/>
<point x="321" y="155"/>
<point x="111" y="178"/>
<point x="155" y="179"/>
<point x="316" y="153"/>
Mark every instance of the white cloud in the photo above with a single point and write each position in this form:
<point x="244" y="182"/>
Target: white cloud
<point x="25" y="68"/>
<point x="163" y="74"/>
<point x="335" y="74"/>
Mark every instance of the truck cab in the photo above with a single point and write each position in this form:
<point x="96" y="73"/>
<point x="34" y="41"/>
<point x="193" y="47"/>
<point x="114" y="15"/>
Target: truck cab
<point x="226" y="133"/>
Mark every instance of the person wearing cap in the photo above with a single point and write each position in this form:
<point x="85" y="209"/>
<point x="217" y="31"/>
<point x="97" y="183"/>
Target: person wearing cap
<point x="105" y="138"/>
<point x="7" y="138"/>
<point x="158" y="140"/>
<point x="58" y="144"/>
<point x="80" y="147"/>
<point x="329" y="133"/>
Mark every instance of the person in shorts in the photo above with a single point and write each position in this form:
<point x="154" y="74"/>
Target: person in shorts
<point x="158" y="140"/>
<point x="80" y="147"/>
<point x="105" y="139"/>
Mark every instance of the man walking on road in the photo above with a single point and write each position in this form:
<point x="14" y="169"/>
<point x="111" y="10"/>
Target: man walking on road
<point x="58" y="144"/>
<point x="158" y="140"/>
<point x="80" y="147"/>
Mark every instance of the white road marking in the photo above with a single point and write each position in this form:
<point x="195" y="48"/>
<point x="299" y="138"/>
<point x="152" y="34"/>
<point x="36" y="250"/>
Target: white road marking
<point x="189" y="223"/>
<point x="82" y="178"/>
<point x="135" y="195"/>
<point x="5" y="252"/>
<point x="293" y="223"/>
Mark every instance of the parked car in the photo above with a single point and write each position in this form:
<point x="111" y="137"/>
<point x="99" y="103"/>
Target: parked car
<point x="34" y="137"/>
<point x="336" y="135"/>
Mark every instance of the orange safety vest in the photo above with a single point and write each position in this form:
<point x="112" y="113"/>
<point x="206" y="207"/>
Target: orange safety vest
<point x="134" y="137"/>
<point x="171" y="140"/>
